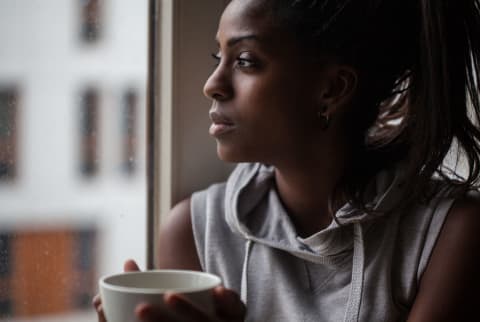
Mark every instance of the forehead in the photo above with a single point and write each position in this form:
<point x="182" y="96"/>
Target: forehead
<point x="247" y="17"/>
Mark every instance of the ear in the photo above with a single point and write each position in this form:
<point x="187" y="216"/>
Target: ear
<point x="338" y="86"/>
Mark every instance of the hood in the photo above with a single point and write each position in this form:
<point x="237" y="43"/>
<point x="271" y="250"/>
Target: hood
<point x="254" y="210"/>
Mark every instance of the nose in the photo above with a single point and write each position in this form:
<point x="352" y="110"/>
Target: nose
<point x="218" y="85"/>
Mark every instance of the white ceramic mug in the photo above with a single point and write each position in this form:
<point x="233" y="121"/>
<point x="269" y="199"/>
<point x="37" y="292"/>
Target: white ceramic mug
<point x="121" y="293"/>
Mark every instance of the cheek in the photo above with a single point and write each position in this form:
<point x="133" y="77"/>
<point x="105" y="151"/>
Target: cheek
<point x="269" y="94"/>
<point x="275" y="116"/>
<point x="280" y="105"/>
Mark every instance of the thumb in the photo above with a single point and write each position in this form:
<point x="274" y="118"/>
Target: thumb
<point x="130" y="266"/>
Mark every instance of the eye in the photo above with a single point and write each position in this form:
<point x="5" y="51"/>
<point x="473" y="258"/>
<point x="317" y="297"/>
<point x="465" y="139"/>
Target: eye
<point x="246" y="60"/>
<point x="216" y="58"/>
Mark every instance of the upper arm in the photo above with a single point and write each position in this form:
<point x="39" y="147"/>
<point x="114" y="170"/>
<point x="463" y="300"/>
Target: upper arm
<point x="449" y="286"/>
<point x="176" y="244"/>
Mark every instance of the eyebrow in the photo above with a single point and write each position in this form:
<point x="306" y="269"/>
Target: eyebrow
<point x="235" y="40"/>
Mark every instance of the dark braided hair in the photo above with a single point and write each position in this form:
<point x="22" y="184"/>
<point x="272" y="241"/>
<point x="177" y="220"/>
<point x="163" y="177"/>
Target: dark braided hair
<point x="418" y="97"/>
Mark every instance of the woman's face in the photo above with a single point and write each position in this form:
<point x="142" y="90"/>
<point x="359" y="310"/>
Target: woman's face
<point x="263" y="90"/>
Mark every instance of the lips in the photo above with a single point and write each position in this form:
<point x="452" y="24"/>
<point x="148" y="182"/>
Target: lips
<point x="221" y="124"/>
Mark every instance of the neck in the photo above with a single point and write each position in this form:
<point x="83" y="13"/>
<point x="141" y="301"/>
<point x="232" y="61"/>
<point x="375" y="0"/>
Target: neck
<point x="306" y="189"/>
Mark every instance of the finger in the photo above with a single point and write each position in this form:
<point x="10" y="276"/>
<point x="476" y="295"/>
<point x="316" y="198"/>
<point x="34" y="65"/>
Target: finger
<point x="100" y="314"/>
<point x="184" y="309"/>
<point x="130" y="266"/>
<point x="148" y="313"/>
<point x="96" y="300"/>
<point x="228" y="304"/>
<point x="97" y="303"/>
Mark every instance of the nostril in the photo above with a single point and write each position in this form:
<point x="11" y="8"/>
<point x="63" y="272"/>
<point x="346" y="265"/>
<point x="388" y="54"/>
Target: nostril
<point x="217" y="96"/>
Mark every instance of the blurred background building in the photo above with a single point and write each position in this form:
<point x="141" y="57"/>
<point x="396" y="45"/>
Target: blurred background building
<point x="72" y="151"/>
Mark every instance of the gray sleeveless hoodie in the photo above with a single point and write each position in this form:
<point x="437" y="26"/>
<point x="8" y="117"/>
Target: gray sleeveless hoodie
<point x="365" y="269"/>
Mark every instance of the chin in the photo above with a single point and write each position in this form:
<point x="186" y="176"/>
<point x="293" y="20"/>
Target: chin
<point x="233" y="155"/>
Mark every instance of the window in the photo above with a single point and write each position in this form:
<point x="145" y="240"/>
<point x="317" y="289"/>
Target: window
<point x="59" y="125"/>
<point x="8" y="133"/>
<point x="47" y="291"/>
<point x="90" y="20"/>
<point x="129" y="131"/>
<point x="5" y="272"/>
<point x="89" y="131"/>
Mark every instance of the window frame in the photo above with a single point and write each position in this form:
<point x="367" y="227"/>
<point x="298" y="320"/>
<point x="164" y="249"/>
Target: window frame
<point x="181" y="157"/>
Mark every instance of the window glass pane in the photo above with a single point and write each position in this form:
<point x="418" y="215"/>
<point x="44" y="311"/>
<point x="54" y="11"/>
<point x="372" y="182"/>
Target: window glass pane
<point x="129" y="131"/>
<point x="91" y="20"/>
<point x="89" y="119"/>
<point x="8" y="137"/>
<point x="72" y="152"/>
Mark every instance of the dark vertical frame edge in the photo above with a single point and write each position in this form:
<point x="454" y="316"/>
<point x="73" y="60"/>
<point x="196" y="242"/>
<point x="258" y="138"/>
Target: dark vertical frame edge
<point x="151" y="137"/>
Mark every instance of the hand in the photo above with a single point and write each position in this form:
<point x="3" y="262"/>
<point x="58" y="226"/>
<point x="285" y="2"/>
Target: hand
<point x="228" y="307"/>
<point x="129" y="266"/>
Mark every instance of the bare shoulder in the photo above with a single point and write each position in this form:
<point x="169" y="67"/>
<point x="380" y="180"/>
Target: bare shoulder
<point x="449" y="286"/>
<point x="176" y="245"/>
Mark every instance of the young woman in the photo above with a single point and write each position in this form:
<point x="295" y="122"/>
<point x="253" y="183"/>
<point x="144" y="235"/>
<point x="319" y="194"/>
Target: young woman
<point x="343" y="116"/>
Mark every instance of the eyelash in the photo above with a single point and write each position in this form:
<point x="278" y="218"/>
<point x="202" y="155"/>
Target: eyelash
<point x="240" y="62"/>
<point x="216" y="58"/>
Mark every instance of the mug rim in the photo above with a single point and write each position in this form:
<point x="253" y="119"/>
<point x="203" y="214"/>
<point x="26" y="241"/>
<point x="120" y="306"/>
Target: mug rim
<point x="215" y="281"/>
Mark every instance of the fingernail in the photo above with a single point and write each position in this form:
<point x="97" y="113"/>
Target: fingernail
<point x="171" y="299"/>
<point x="219" y="290"/>
<point x="142" y="309"/>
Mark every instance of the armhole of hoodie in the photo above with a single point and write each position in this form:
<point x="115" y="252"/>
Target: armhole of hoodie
<point x="433" y="230"/>
<point x="198" y="208"/>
